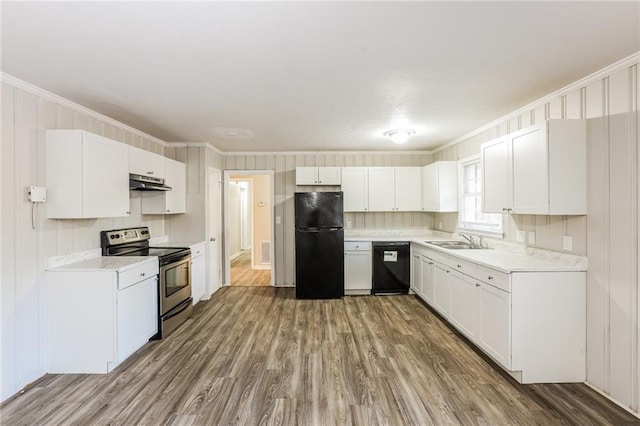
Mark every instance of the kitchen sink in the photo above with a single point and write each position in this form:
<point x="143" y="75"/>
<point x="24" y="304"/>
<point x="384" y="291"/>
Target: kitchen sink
<point x="456" y="245"/>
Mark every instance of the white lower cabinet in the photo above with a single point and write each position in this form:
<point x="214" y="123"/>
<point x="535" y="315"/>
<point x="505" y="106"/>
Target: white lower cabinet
<point x="136" y="325"/>
<point x="427" y="279"/>
<point x="464" y="304"/>
<point x="530" y="323"/>
<point x="416" y="273"/>
<point x="357" y="267"/>
<point x="494" y="322"/>
<point x="198" y="272"/>
<point x="98" y="318"/>
<point x="442" y="289"/>
<point x="422" y="275"/>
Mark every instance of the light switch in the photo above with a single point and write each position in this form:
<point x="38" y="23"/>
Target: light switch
<point x="532" y="237"/>
<point x="567" y="243"/>
<point x="520" y="236"/>
<point x="278" y="220"/>
<point x="349" y="224"/>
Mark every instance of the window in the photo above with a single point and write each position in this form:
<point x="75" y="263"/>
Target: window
<point x="471" y="216"/>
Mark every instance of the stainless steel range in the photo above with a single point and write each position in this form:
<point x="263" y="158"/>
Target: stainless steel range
<point x="175" y="301"/>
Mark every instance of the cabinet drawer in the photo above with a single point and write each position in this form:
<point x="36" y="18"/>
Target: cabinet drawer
<point x="436" y="256"/>
<point x="463" y="266"/>
<point x="357" y="246"/>
<point x="197" y="250"/>
<point x="135" y="275"/>
<point x="495" y="278"/>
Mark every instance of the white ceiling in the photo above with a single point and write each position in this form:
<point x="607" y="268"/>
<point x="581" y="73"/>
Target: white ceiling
<point x="311" y="76"/>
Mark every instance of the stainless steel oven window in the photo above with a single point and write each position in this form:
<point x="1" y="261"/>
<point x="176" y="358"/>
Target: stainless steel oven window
<point x="176" y="277"/>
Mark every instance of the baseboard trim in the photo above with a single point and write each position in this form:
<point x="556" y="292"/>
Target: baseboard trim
<point x="627" y="409"/>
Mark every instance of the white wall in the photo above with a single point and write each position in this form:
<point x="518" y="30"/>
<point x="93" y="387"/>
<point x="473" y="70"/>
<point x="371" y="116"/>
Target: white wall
<point x="190" y="226"/>
<point x="234" y="219"/>
<point x="26" y="114"/>
<point x="261" y="205"/>
<point x="608" y="235"/>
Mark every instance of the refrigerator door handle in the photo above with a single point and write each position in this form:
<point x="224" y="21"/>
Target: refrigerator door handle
<point x="317" y="229"/>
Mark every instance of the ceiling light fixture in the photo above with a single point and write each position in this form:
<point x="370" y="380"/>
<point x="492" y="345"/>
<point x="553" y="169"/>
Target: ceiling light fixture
<point x="399" y="136"/>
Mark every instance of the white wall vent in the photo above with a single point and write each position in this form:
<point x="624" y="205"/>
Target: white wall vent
<point x="265" y="248"/>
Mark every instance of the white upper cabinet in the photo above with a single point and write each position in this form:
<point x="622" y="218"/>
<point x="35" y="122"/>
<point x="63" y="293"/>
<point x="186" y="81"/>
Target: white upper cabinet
<point x="382" y="189"/>
<point x="87" y="175"/>
<point x="395" y="189"/>
<point x="318" y="176"/>
<point x="408" y="197"/>
<point x="146" y="163"/>
<point x="168" y="202"/>
<point x="496" y="176"/>
<point x="355" y="186"/>
<point x="546" y="170"/>
<point x="440" y="187"/>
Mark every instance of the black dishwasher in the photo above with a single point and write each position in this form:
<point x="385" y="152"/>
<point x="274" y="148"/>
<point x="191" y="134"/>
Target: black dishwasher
<point x="391" y="267"/>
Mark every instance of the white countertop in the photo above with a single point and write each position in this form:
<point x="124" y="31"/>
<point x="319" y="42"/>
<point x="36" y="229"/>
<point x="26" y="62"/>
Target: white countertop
<point x="181" y="243"/>
<point x="502" y="256"/>
<point x="106" y="263"/>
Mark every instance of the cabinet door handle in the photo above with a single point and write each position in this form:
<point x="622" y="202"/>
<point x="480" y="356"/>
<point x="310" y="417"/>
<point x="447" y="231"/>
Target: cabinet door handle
<point x="477" y="285"/>
<point x="490" y="277"/>
<point x="142" y="274"/>
<point x="128" y="212"/>
<point x="168" y="211"/>
<point x="459" y="266"/>
<point x="447" y="271"/>
<point x="430" y="263"/>
<point x="149" y="173"/>
<point x="212" y="239"/>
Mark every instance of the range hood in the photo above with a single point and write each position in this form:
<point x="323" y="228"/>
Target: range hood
<point x="146" y="183"/>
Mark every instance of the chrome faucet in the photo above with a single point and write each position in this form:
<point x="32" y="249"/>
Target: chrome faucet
<point x="467" y="237"/>
<point x="472" y="239"/>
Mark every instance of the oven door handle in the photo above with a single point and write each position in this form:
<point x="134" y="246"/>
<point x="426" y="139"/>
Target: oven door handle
<point x="174" y="264"/>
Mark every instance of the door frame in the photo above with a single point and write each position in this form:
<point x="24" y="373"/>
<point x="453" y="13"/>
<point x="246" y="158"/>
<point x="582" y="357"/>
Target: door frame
<point x="227" y="179"/>
<point x="210" y="289"/>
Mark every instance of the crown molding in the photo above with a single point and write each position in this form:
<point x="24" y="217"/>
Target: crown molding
<point x="327" y="152"/>
<point x="38" y="91"/>
<point x="585" y="81"/>
<point x="194" y="144"/>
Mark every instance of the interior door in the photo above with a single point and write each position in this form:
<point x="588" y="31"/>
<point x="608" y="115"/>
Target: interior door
<point x="214" y="227"/>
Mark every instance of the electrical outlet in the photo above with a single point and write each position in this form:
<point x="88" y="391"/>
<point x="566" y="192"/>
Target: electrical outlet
<point x="520" y="236"/>
<point x="567" y="243"/>
<point x="439" y="225"/>
<point x="532" y="237"/>
<point x="349" y="224"/>
<point x="278" y="220"/>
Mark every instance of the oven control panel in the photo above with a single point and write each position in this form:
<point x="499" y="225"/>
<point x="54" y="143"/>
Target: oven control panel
<point x="125" y="236"/>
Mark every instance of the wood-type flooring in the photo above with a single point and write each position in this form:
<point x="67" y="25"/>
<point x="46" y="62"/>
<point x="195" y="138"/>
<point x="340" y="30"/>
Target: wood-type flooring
<point x="257" y="355"/>
<point x="243" y="275"/>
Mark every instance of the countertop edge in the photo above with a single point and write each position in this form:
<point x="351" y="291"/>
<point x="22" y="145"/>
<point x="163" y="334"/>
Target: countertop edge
<point x="420" y="240"/>
<point x="130" y="262"/>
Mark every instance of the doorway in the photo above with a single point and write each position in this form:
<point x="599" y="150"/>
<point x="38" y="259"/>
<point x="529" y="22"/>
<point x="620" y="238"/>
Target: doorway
<point x="248" y="223"/>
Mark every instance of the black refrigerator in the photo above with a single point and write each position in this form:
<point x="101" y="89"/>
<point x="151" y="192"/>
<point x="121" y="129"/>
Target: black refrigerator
<point x="319" y="245"/>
